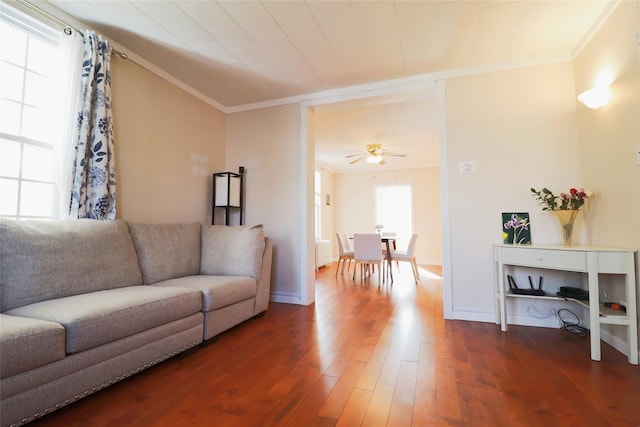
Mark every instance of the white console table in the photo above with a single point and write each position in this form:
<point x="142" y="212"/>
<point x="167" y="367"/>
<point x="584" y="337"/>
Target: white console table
<point x="589" y="260"/>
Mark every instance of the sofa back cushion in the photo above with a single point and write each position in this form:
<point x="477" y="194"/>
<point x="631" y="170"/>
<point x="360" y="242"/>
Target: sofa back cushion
<point x="232" y="250"/>
<point x="167" y="251"/>
<point x="42" y="260"/>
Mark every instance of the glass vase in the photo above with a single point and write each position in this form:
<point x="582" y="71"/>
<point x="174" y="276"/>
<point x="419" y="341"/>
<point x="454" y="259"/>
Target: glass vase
<point x="567" y="218"/>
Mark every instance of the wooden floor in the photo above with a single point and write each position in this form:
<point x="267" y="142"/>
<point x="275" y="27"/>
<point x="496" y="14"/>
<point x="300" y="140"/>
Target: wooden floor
<point x="364" y="355"/>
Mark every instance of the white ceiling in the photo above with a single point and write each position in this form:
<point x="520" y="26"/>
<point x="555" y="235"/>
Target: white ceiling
<point x="238" y="53"/>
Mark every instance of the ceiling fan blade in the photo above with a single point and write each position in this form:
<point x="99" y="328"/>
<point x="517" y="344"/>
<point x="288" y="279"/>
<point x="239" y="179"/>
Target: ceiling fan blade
<point x="356" y="160"/>
<point x="354" y="155"/>
<point x="394" y="154"/>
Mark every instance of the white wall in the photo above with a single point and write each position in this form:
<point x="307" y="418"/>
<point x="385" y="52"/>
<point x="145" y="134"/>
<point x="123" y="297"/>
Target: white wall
<point x="610" y="135"/>
<point x="267" y="143"/>
<point x="355" y="206"/>
<point x="520" y="129"/>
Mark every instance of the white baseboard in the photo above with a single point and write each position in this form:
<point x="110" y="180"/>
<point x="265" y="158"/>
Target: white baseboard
<point x="619" y="344"/>
<point x="473" y="316"/>
<point x="286" y="298"/>
<point x="524" y="320"/>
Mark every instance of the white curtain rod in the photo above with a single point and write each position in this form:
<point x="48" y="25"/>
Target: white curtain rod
<point x="69" y="27"/>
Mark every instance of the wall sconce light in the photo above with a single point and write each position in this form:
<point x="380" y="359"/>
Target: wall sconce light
<point x="598" y="96"/>
<point x="595" y="98"/>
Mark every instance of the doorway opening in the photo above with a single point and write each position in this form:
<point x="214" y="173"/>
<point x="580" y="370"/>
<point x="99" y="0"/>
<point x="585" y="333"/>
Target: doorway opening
<point x="353" y="186"/>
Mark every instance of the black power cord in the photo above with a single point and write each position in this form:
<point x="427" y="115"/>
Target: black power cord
<point x="573" y="327"/>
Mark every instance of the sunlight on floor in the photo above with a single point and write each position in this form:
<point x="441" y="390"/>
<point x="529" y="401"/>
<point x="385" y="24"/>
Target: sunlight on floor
<point x="428" y="274"/>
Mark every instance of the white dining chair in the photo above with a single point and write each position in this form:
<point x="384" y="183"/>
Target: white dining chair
<point x="345" y="242"/>
<point x="366" y="252"/>
<point x="408" y="256"/>
<point x="345" y="253"/>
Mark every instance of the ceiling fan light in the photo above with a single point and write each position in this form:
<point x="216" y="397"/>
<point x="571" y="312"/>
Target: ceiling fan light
<point x="374" y="159"/>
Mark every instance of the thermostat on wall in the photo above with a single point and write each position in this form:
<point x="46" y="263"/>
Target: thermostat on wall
<point x="467" y="167"/>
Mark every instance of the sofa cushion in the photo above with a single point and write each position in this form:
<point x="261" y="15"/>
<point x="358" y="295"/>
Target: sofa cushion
<point x="43" y="260"/>
<point x="28" y="343"/>
<point x="217" y="291"/>
<point x="100" y="317"/>
<point x="232" y="250"/>
<point x="166" y="251"/>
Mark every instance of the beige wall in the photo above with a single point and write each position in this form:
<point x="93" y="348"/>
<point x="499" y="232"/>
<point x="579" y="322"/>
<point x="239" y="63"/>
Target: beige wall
<point x="267" y="143"/>
<point x="520" y="129"/>
<point x="610" y="135"/>
<point x="355" y="204"/>
<point x="168" y="143"/>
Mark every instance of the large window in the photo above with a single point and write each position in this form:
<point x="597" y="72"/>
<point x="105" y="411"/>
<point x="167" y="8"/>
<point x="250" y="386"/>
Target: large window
<point x="394" y="211"/>
<point x="317" y="203"/>
<point x="29" y="102"/>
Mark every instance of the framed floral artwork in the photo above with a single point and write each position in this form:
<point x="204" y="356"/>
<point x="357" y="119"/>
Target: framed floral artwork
<point x="516" y="228"/>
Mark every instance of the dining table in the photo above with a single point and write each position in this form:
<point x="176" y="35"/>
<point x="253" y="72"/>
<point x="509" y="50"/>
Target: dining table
<point x="388" y="241"/>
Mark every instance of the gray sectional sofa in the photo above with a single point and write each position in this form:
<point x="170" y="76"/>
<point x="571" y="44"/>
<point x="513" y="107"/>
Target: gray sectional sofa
<point x="84" y="303"/>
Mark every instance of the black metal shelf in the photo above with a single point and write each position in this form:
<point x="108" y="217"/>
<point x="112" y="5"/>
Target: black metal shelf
<point x="228" y="194"/>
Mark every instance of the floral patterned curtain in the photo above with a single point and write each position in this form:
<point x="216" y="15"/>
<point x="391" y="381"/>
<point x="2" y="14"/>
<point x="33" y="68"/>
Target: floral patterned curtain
<point x="94" y="179"/>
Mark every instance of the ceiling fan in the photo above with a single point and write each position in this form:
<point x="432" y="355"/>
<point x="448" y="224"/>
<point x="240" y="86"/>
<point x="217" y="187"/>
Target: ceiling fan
<point x="374" y="155"/>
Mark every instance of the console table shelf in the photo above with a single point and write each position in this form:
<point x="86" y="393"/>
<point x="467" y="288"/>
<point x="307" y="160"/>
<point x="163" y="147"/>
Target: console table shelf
<point x="605" y="312"/>
<point x="587" y="260"/>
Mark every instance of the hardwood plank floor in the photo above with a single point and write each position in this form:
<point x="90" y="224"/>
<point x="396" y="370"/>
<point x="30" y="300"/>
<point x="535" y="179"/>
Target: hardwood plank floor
<point x="369" y="356"/>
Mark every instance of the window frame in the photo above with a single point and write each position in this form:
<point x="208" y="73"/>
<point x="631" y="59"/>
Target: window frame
<point x="317" y="203"/>
<point x="403" y="233"/>
<point x="33" y="27"/>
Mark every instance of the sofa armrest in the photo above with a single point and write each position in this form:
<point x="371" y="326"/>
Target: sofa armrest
<point x="263" y="291"/>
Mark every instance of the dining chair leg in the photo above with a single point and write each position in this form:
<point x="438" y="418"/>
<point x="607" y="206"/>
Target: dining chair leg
<point x="414" y="269"/>
<point x="385" y="271"/>
<point x="362" y="271"/>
